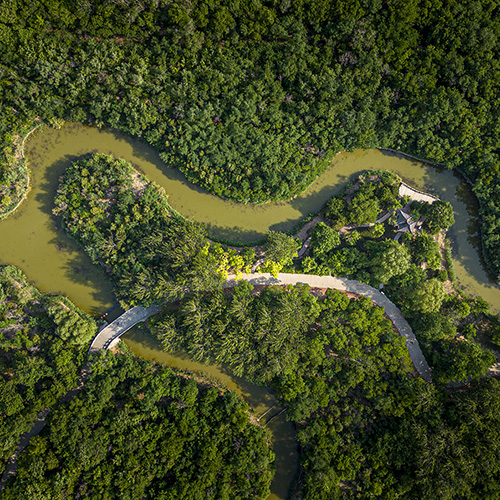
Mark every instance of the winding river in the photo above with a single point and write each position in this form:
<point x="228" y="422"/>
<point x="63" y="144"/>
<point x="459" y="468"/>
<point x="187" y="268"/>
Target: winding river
<point x="31" y="239"/>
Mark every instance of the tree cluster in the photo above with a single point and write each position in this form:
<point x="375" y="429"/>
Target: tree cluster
<point x="41" y="339"/>
<point x="137" y="430"/>
<point x="125" y="223"/>
<point x="364" y="422"/>
<point x="411" y="271"/>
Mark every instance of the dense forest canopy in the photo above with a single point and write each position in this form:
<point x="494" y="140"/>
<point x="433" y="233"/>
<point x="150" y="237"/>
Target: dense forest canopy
<point x="134" y="430"/>
<point x="40" y="353"/>
<point x="125" y="223"/>
<point x="252" y="99"/>
<point x="367" y="427"/>
<point x="418" y="279"/>
<point x="139" y="431"/>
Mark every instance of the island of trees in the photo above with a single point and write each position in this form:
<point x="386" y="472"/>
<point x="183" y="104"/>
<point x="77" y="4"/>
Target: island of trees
<point x="339" y="368"/>
<point x="134" y="430"/>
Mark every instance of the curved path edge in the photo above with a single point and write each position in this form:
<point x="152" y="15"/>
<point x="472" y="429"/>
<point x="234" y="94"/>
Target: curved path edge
<point x="352" y="286"/>
<point x="110" y="335"/>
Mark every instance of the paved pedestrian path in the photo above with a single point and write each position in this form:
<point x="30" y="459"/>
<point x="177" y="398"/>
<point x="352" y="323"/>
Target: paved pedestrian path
<point x="352" y="286"/>
<point x="109" y="335"/>
<point x="414" y="194"/>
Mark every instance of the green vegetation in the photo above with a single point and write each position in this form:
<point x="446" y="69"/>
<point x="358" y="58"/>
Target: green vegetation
<point x="409" y="270"/>
<point x="14" y="172"/>
<point x="280" y="250"/>
<point x="424" y="248"/>
<point x="362" y="201"/>
<point x="364" y="422"/>
<point x="124" y="223"/>
<point x="40" y="353"/>
<point x="137" y="430"/>
<point x="252" y="100"/>
<point x="438" y="215"/>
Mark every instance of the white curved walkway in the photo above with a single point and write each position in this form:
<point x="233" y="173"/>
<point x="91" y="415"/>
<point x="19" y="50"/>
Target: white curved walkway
<point x="109" y="335"/>
<point x="352" y="286"/>
<point x="414" y="194"/>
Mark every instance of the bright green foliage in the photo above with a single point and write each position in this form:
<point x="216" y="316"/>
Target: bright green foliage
<point x="439" y="216"/>
<point x="363" y="420"/>
<point x="426" y="297"/>
<point x="377" y="230"/>
<point x="40" y="337"/>
<point x="129" y="228"/>
<point x="72" y="327"/>
<point x="363" y="201"/>
<point x="388" y="259"/>
<point x="435" y="316"/>
<point x="138" y="431"/>
<point x="425" y="249"/>
<point x="252" y="100"/>
<point x="281" y="249"/>
<point x="324" y="239"/>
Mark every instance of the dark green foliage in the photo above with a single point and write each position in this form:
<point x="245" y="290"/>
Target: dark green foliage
<point x="258" y="337"/>
<point x="426" y="297"/>
<point x="449" y="263"/>
<point x="361" y="203"/>
<point x="441" y="275"/>
<point x="40" y="353"/>
<point x="335" y="211"/>
<point x="124" y="223"/>
<point x="363" y="422"/>
<point x="424" y="249"/>
<point x="139" y="431"/>
<point x="435" y="316"/>
<point x="439" y="216"/>
<point x="252" y="100"/>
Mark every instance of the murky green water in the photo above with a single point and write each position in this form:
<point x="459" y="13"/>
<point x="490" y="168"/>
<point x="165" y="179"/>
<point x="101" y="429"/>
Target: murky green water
<point x="51" y="151"/>
<point x="32" y="241"/>
<point x="259" y="398"/>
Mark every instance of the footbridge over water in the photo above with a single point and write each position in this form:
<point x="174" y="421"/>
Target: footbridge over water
<point x="111" y="334"/>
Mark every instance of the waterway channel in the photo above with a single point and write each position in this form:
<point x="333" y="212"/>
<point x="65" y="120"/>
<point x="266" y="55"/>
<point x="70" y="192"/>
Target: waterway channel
<point x="32" y="240"/>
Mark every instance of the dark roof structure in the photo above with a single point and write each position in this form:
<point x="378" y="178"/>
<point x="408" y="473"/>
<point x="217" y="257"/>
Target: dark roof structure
<point x="405" y="222"/>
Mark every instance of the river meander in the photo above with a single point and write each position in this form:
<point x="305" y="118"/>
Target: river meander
<point x="32" y="240"/>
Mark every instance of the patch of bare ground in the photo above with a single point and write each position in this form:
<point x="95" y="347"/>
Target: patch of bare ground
<point x="138" y="184"/>
<point x="116" y="349"/>
<point x="63" y="305"/>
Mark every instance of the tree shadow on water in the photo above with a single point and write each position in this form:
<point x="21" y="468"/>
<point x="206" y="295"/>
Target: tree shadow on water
<point x="146" y="153"/>
<point x="78" y="267"/>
